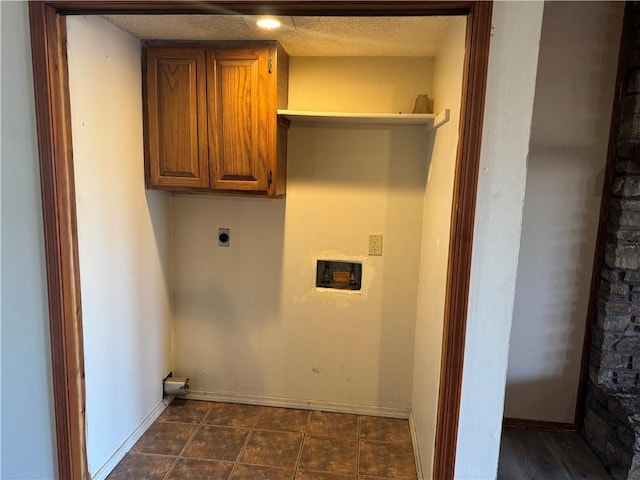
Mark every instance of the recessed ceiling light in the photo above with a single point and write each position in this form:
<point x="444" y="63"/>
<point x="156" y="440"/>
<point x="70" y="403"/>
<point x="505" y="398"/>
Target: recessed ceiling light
<point x="268" y="23"/>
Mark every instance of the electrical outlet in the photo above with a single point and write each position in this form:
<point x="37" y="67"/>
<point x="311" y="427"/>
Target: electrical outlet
<point x="375" y="244"/>
<point x="223" y="237"/>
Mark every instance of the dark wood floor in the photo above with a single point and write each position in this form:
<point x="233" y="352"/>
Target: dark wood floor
<point x="532" y="455"/>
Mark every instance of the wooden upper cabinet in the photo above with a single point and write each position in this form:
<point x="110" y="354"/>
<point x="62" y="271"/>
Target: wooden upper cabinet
<point x="176" y="118"/>
<point x="212" y="117"/>
<point x="239" y="115"/>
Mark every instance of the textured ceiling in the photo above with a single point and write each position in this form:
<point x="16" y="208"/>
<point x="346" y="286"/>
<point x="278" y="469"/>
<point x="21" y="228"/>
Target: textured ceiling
<point x="302" y="36"/>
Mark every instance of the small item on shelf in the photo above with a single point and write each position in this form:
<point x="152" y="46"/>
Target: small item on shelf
<point x="423" y="104"/>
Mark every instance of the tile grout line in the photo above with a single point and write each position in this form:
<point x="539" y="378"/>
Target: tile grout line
<point x="173" y="465"/>
<point x="179" y="456"/>
<point x="246" y="442"/>
<point x="146" y="454"/>
<point x="197" y="429"/>
<point x="304" y="437"/>
<point x="389" y="442"/>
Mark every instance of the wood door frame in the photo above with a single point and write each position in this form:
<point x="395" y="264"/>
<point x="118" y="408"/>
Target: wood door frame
<point x="51" y="85"/>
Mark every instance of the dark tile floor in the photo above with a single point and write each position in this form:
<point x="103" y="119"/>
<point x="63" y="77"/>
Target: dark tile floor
<point x="194" y="440"/>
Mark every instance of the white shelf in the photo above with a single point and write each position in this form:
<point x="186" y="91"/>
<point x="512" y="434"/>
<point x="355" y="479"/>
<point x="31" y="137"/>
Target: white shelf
<point x="429" y="120"/>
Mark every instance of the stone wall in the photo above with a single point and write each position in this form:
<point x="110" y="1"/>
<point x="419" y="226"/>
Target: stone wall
<point x="615" y="355"/>
<point x="612" y="429"/>
<point x="612" y="421"/>
<point x="615" y="351"/>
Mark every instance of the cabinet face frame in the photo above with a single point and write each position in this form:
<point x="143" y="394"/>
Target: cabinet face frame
<point x="49" y="57"/>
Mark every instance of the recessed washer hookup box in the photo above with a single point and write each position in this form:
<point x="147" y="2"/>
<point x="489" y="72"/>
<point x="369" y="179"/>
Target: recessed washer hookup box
<point x="339" y="275"/>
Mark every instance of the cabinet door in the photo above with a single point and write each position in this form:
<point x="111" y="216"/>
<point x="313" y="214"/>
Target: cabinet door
<point x="240" y="137"/>
<point x="176" y="118"/>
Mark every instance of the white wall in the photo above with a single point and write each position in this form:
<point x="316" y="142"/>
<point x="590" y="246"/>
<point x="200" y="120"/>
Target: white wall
<point x="501" y="186"/>
<point x="248" y="318"/>
<point x="359" y="84"/>
<point x="447" y="92"/>
<point x="123" y="238"/>
<point x="570" y="131"/>
<point x="28" y="425"/>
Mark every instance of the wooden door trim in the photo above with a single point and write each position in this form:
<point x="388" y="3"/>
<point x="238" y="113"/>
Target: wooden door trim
<point x="461" y="239"/>
<point x="272" y="7"/>
<point x="53" y="120"/>
<point x="48" y="37"/>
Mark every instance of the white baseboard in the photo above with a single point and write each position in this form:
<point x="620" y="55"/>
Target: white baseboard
<point x="416" y="450"/>
<point x="119" y="454"/>
<point x="267" y="401"/>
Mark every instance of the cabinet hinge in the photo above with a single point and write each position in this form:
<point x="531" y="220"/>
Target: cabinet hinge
<point x="270" y="65"/>
<point x="269" y="177"/>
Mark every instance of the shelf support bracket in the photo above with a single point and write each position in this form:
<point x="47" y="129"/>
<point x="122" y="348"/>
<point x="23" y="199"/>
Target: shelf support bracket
<point x="442" y="118"/>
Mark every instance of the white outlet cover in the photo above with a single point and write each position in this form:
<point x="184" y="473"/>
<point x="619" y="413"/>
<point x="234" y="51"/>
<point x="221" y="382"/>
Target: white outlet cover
<point x="375" y="244"/>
